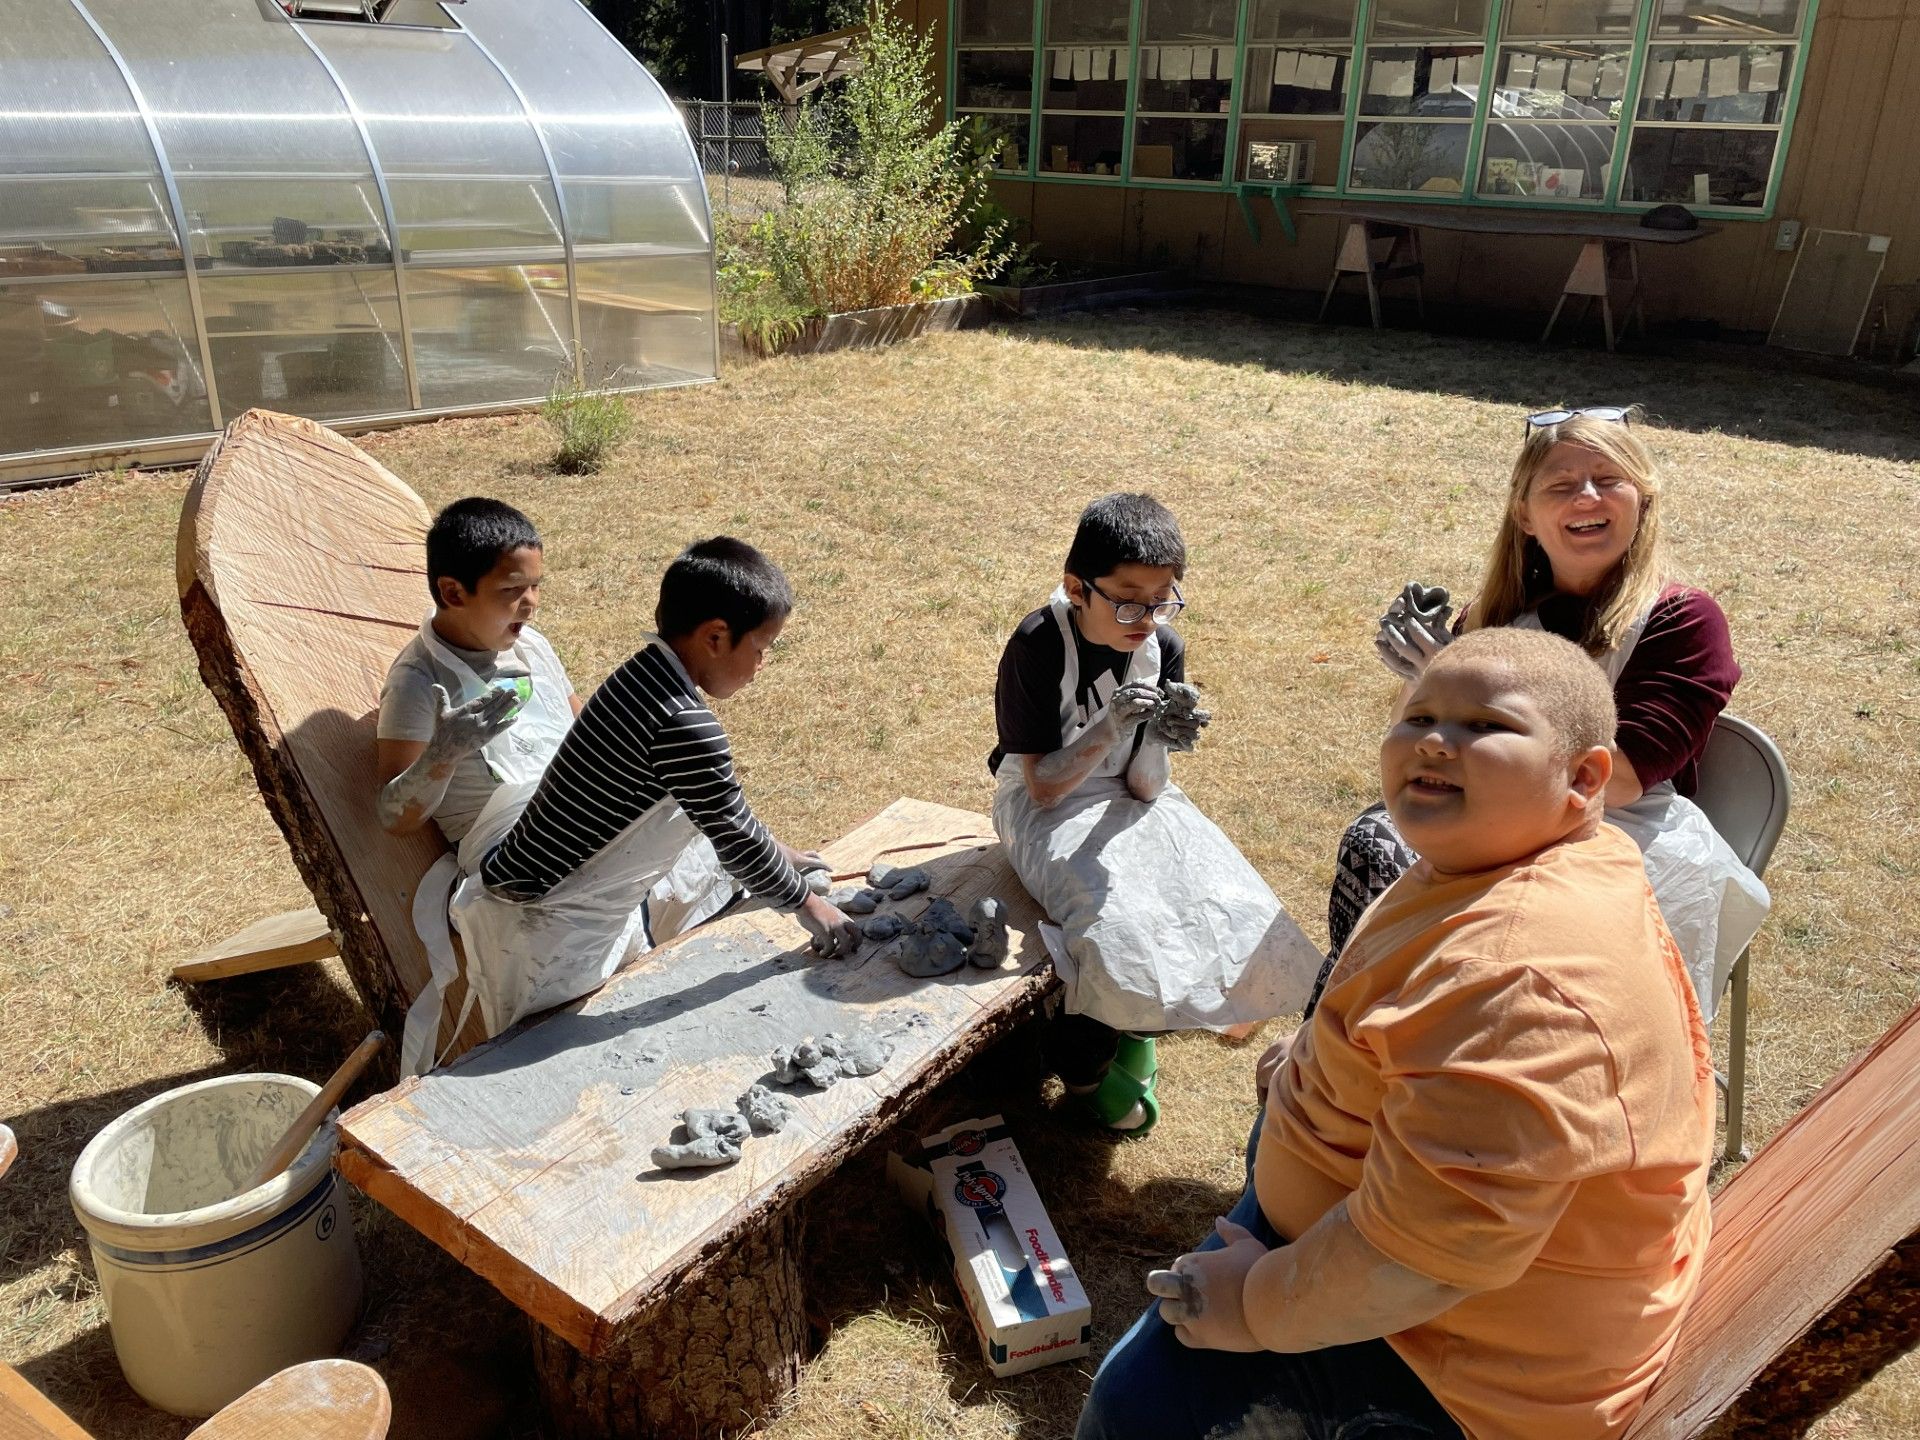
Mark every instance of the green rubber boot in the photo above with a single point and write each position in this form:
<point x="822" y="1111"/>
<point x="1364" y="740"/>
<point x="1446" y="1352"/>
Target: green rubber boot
<point x="1129" y="1082"/>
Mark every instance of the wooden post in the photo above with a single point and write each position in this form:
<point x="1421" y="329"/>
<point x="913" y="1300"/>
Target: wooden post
<point x="710" y="1360"/>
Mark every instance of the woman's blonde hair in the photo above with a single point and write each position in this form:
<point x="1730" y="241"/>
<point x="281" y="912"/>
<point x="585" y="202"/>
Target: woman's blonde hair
<point x="1517" y="571"/>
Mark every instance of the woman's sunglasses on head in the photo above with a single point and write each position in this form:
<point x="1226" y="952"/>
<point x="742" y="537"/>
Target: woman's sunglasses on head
<point x="1540" y="419"/>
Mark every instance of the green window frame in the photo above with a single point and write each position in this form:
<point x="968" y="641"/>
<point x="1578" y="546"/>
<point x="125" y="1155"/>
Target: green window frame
<point x="1611" y="106"/>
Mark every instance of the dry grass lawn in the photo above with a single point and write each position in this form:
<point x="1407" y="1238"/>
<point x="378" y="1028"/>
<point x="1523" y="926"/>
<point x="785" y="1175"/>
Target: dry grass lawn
<point x="921" y="500"/>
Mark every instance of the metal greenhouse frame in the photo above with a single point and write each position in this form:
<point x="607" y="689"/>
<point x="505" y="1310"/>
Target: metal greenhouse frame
<point x="358" y="214"/>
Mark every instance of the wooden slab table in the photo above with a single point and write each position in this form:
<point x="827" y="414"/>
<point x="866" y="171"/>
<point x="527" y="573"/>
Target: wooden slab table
<point x="671" y="1303"/>
<point x="1382" y="242"/>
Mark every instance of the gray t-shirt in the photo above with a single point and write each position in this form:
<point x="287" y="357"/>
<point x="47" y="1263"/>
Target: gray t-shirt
<point x="408" y="710"/>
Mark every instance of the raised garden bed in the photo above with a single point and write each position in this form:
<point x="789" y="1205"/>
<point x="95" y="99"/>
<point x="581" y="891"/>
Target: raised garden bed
<point x="862" y="329"/>
<point x="1085" y="291"/>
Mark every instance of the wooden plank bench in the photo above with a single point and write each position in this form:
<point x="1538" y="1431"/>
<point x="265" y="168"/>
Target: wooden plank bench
<point x="666" y="1305"/>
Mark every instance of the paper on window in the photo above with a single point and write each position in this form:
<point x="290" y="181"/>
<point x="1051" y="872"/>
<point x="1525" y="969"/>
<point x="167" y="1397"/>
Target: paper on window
<point x="1121" y="62"/>
<point x="1176" y="63"/>
<point x="1440" y="77"/>
<point x="1466" y="74"/>
<point x="1659" y="80"/>
<point x="1083" y="64"/>
<point x="1764" y="76"/>
<point x="1063" y="64"/>
<point x="1702" y="189"/>
<point x="1286" y="67"/>
<point x="1222" y="63"/>
<point x="1612" y="83"/>
<point x="1581" y="75"/>
<point x="1723" y="76"/>
<point x="1324" y="72"/>
<point x="1688" y="77"/>
<point x="1551" y="77"/>
<point x="1520" y="70"/>
<point x="1149" y="64"/>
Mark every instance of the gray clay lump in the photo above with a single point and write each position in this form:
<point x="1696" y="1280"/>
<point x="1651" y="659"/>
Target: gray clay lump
<point x="898" y="883"/>
<point x="882" y="927"/>
<point x="831" y="1058"/>
<point x="988" y="916"/>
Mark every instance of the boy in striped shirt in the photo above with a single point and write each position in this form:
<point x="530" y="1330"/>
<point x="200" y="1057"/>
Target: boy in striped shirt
<point x="646" y="755"/>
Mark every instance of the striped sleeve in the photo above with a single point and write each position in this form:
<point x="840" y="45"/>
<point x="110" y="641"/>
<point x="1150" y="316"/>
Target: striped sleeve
<point x="694" y="762"/>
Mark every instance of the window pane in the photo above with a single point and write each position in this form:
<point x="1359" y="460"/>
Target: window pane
<point x="1179" y="150"/>
<point x="1716" y="84"/>
<point x="1395" y="20"/>
<point x="65" y="225"/>
<point x="1257" y="163"/>
<point x="318" y="345"/>
<point x="1004" y="137"/>
<point x="995" y="79"/>
<point x="1189" y="20"/>
<point x="1186" y="78"/>
<point x="1296" y="82"/>
<point x="1081" y="145"/>
<point x="1301" y="20"/>
<point x="485" y="335"/>
<point x="1398" y="155"/>
<point x="1086" y="78"/>
<point x="466" y="219"/>
<point x="638" y="216"/>
<point x="1547" y="161"/>
<point x="1699" y="167"/>
<point x="1429" y="81"/>
<point x="243" y="222"/>
<point x="98" y="363"/>
<point x="647" y="322"/>
<point x="1088" y="21"/>
<point x="996" y="22"/>
<point x="1766" y="17"/>
<point x="1572" y="18"/>
<point x="1573" y="82"/>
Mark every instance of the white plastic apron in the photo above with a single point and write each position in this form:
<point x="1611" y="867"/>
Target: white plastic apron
<point x="1712" y="903"/>
<point x="522" y="958"/>
<point x="1167" y="926"/>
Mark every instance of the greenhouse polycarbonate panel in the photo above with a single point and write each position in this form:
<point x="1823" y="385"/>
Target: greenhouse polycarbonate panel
<point x="269" y="164"/>
<point x="463" y="165"/>
<point x="80" y="189"/>
<point x="647" y="322"/>
<point x="489" y="336"/>
<point x="619" y="145"/>
<point x="320" y="344"/>
<point x="98" y="362"/>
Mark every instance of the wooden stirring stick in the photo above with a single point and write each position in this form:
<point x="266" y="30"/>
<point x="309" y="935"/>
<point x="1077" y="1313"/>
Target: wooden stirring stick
<point x="296" y="1138"/>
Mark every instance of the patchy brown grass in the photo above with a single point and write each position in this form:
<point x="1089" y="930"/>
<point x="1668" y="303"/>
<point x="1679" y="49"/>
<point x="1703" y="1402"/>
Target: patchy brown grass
<point x="921" y="500"/>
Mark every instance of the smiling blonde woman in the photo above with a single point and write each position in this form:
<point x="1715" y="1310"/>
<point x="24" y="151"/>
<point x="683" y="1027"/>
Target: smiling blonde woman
<point x="1581" y="553"/>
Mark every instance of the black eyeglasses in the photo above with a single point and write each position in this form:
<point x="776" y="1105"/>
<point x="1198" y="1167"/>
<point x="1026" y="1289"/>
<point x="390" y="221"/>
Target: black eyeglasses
<point x="1540" y="419"/>
<point x="1129" y="611"/>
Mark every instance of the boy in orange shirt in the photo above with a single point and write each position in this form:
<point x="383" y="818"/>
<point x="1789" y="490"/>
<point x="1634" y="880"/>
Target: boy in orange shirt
<point x="1479" y="1200"/>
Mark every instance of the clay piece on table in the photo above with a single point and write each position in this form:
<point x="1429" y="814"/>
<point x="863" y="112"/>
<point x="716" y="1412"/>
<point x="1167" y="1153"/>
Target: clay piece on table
<point x="858" y="902"/>
<point x="727" y="1124"/>
<point x="766" y="1113"/>
<point x="988" y="916"/>
<point x="928" y="951"/>
<point x="704" y="1152"/>
<point x="831" y="1058"/>
<point x="1173" y="719"/>
<point x="898" y="883"/>
<point x="880" y="928"/>
<point x="819" y="882"/>
<point x="942" y="915"/>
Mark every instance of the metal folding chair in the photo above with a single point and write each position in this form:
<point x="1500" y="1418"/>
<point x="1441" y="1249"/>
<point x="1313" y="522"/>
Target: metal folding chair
<point x="1745" y="792"/>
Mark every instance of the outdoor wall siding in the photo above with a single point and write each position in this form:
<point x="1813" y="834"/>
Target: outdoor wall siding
<point x="1853" y="163"/>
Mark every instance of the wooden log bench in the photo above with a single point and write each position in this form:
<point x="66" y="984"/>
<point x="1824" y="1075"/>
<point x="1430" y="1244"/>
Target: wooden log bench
<point x="664" y="1303"/>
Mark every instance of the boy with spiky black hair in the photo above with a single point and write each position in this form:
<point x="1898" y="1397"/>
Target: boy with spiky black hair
<point x="1167" y="926"/>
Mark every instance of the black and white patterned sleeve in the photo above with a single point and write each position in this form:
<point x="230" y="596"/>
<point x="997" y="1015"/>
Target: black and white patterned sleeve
<point x="694" y="762"/>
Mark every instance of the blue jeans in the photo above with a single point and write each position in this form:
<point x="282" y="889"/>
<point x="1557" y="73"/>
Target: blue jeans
<point x="1151" y="1387"/>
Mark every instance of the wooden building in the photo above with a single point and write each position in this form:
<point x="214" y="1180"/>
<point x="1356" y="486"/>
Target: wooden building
<point x="1163" y="131"/>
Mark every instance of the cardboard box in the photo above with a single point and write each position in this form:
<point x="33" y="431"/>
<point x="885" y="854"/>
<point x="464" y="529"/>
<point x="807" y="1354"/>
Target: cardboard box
<point x="1027" y="1304"/>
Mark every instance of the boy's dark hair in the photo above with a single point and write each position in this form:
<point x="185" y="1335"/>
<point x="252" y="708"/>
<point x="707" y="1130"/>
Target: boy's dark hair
<point x="725" y="579"/>
<point x="468" y="538"/>
<point x="1126" y="529"/>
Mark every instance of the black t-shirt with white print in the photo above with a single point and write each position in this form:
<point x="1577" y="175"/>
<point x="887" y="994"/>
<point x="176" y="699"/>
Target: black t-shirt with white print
<point x="1026" y="699"/>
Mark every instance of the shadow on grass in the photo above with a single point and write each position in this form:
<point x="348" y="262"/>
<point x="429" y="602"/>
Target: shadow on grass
<point x="1747" y="391"/>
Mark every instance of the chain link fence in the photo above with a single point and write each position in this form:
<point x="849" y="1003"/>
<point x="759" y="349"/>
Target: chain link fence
<point x="731" y="140"/>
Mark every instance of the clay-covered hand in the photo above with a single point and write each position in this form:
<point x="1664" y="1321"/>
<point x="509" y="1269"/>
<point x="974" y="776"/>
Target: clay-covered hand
<point x="1414" y="629"/>
<point x="1206" y="1307"/>
<point x="1132" y="703"/>
<point x="1271" y="1060"/>
<point x="832" y="933"/>
<point x="460" y="730"/>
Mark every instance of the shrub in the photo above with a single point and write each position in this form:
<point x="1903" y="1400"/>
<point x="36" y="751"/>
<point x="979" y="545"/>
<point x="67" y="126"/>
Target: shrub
<point x="591" y="420"/>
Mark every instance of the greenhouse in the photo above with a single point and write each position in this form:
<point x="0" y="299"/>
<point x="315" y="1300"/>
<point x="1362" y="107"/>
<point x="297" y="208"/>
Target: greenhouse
<point x="354" y="210"/>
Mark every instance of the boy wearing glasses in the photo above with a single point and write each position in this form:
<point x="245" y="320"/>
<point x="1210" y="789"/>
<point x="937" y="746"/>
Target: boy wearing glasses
<point x="1167" y="926"/>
